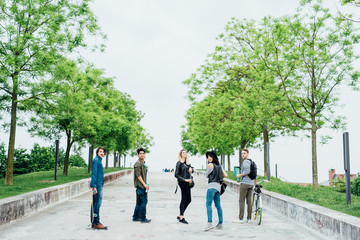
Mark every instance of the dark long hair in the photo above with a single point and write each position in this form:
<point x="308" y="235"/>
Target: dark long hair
<point x="215" y="158"/>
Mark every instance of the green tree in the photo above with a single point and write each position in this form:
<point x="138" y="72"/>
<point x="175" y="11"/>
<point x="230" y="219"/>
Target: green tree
<point x="312" y="55"/>
<point x="33" y="36"/>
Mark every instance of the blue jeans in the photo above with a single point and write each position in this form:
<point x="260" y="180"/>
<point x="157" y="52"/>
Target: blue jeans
<point x="95" y="207"/>
<point x="141" y="201"/>
<point x="213" y="194"/>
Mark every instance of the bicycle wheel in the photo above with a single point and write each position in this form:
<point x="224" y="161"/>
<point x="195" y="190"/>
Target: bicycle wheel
<point x="254" y="206"/>
<point x="259" y="215"/>
<point x="259" y="210"/>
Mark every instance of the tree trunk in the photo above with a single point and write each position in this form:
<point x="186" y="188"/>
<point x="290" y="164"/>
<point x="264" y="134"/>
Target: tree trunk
<point x="67" y="153"/>
<point x="229" y="165"/>
<point x="266" y="139"/>
<point x="107" y="161"/>
<point x="11" y="148"/>
<point x="114" y="159"/>
<point x="314" y="153"/>
<point x="119" y="160"/>
<point x="222" y="159"/>
<point x="243" y="145"/>
<point x="91" y="156"/>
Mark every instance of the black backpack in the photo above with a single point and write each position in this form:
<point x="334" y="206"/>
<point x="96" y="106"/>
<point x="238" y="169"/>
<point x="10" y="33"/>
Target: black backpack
<point x="253" y="170"/>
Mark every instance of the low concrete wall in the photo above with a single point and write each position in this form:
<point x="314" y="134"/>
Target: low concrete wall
<point x="327" y="222"/>
<point x="19" y="206"/>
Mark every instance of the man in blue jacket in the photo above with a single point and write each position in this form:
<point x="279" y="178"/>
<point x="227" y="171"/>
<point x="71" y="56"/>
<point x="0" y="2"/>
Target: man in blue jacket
<point x="97" y="182"/>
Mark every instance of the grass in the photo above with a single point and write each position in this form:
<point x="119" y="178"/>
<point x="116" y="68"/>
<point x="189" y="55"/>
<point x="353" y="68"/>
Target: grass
<point x="322" y="196"/>
<point x="30" y="182"/>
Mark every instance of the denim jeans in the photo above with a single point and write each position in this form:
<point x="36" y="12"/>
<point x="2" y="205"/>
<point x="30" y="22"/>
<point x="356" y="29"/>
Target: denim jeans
<point x="213" y="194"/>
<point x="95" y="207"/>
<point x="141" y="201"/>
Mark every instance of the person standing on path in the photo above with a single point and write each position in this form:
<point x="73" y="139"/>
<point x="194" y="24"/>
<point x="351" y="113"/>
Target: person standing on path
<point x="215" y="173"/>
<point x="140" y="173"/>
<point x="246" y="188"/>
<point x="97" y="183"/>
<point x="183" y="174"/>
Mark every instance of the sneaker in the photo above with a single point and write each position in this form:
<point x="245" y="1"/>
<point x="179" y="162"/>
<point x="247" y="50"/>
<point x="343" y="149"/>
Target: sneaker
<point x="183" y="221"/>
<point x="220" y="226"/>
<point x="248" y="221"/>
<point x="238" y="220"/>
<point x="145" y="220"/>
<point x="208" y="226"/>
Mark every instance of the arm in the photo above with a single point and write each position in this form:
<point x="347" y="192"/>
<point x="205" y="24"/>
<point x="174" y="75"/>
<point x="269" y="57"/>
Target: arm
<point x="94" y="173"/>
<point x="210" y="168"/>
<point x="245" y="169"/>
<point x="224" y="173"/>
<point x="177" y="172"/>
<point x="143" y="182"/>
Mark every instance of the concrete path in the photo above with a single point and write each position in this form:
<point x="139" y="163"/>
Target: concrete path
<point x="70" y="220"/>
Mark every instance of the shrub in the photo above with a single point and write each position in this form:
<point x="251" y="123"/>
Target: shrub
<point x="77" y="161"/>
<point x="355" y="188"/>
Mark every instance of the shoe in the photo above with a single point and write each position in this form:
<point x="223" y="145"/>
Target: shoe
<point x="208" y="226"/>
<point x="145" y="220"/>
<point x="178" y="218"/>
<point x="238" y="220"/>
<point x="99" y="226"/>
<point x="136" y="219"/>
<point x="248" y="221"/>
<point x="219" y="226"/>
<point x="183" y="221"/>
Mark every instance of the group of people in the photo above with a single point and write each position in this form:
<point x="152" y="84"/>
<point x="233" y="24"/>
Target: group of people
<point x="183" y="172"/>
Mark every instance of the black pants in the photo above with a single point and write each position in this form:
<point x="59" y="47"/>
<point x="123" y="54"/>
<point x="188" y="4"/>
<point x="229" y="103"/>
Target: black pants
<point x="185" y="196"/>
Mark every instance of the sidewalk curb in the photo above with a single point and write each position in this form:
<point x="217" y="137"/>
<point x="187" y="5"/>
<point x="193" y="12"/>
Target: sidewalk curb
<point x="23" y="205"/>
<point x="327" y="222"/>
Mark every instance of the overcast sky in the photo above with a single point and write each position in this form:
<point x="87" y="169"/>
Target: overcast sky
<point x="153" y="46"/>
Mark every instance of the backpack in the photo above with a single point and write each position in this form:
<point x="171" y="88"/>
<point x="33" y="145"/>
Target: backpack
<point x="253" y="170"/>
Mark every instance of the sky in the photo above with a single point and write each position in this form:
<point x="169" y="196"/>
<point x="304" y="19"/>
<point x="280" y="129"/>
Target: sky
<point x="154" y="45"/>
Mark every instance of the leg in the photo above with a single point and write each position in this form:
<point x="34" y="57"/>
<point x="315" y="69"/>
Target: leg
<point x="209" y="198"/>
<point x="243" y="191"/>
<point x="218" y="207"/>
<point x="188" y="197"/>
<point x="142" y="207"/>
<point x="248" y="201"/>
<point x="95" y="208"/>
<point x="136" y="215"/>
<point x="183" y="198"/>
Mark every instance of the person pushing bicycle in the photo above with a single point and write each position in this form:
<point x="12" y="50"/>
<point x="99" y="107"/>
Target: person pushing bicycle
<point x="246" y="188"/>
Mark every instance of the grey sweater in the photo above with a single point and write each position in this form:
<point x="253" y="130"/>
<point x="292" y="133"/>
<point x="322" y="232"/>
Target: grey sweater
<point x="245" y="168"/>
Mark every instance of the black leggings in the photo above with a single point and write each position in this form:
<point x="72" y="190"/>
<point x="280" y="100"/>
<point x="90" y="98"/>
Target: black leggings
<point x="185" y="196"/>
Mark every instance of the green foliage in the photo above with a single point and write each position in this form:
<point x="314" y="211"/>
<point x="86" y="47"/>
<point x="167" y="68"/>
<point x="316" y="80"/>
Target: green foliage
<point x="31" y="181"/>
<point x="355" y="188"/>
<point x="77" y="161"/>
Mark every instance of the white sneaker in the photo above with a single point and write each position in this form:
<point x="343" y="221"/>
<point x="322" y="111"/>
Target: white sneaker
<point x="208" y="226"/>
<point x="248" y="221"/>
<point x="238" y="221"/>
<point x="219" y="226"/>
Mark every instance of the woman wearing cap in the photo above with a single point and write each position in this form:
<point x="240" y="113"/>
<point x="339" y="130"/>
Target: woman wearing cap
<point x="183" y="174"/>
<point x="215" y="173"/>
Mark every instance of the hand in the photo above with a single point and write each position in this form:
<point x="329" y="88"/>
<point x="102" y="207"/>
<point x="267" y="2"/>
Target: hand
<point x="94" y="191"/>
<point x="239" y="175"/>
<point x="188" y="180"/>
<point x="146" y="186"/>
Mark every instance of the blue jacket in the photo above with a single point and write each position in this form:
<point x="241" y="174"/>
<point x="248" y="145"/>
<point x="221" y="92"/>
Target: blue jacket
<point x="97" y="175"/>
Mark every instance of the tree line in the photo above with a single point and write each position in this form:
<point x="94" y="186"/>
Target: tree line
<point x="46" y="85"/>
<point x="272" y="77"/>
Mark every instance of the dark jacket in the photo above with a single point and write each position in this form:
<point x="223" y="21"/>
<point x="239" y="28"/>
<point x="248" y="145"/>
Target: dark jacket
<point x="97" y="174"/>
<point x="216" y="175"/>
<point x="139" y="170"/>
<point x="182" y="171"/>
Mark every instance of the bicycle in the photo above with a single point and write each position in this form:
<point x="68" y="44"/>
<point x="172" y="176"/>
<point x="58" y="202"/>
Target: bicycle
<point x="257" y="204"/>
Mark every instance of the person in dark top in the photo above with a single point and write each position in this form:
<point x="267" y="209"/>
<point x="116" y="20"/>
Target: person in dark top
<point x="183" y="173"/>
<point x="140" y="183"/>
<point x="215" y="173"/>
<point x="97" y="182"/>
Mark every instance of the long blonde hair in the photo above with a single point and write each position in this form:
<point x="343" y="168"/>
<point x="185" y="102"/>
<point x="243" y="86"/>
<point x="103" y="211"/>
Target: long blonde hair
<point x="180" y="158"/>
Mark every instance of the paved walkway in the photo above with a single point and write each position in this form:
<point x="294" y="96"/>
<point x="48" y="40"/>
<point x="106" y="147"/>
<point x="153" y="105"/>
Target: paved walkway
<point x="70" y="220"/>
